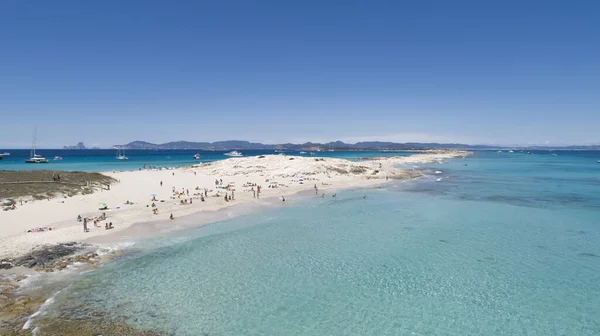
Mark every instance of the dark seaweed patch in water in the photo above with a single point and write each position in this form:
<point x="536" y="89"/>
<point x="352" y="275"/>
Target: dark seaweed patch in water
<point x="542" y="201"/>
<point x="520" y="201"/>
<point x="443" y="241"/>
<point x="427" y="189"/>
<point x="589" y="255"/>
<point x="569" y="181"/>
<point x="408" y="228"/>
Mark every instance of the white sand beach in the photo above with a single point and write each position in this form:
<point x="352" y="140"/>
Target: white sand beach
<point x="278" y="176"/>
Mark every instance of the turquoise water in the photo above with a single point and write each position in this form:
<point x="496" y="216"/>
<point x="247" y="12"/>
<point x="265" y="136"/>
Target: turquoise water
<point x="103" y="160"/>
<point x="507" y="245"/>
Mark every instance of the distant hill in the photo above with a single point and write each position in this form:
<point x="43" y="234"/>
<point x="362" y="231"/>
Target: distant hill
<point x="337" y="145"/>
<point x="79" y="145"/>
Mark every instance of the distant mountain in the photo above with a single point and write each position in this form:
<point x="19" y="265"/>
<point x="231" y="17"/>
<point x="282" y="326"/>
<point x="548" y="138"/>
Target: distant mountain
<point x="220" y="145"/>
<point x="337" y="145"/>
<point x="79" y="145"/>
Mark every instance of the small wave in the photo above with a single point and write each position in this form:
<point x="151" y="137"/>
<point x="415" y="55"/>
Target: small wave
<point x="40" y="311"/>
<point x="108" y="249"/>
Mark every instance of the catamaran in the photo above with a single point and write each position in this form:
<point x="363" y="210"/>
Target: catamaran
<point x="121" y="154"/>
<point x="35" y="158"/>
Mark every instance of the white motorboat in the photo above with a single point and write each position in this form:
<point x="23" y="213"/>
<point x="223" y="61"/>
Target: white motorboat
<point x="5" y="154"/>
<point x="121" y="154"/>
<point x="197" y="156"/>
<point x="554" y="154"/>
<point x="233" y="153"/>
<point x="57" y="158"/>
<point x="511" y="151"/>
<point x="35" y="158"/>
<point x="302" y="152"/>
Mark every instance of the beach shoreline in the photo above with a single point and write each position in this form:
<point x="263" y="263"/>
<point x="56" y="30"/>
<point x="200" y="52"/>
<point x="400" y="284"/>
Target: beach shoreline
<point x="279" y="176"/>
<point x="103" y="245"/>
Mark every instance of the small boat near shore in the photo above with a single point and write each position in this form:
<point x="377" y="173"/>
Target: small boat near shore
<point x="57" y="158"/>
<point x="233" y="153"/>
<point x="197" y="156"/>
<point x="5" y="154"/>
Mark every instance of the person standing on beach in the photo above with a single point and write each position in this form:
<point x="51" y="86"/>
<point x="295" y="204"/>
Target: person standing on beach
<point x="161" y="183"/>
<point x="85" y="229"/>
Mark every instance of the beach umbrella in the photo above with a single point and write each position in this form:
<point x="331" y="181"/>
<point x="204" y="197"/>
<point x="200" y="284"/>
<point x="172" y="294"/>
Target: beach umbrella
<point x="7" y="202"/>
<point x="153" y="195"/>
<point x="102" y="204"/>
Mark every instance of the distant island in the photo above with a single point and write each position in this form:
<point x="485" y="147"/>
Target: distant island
<point x="241" y="145"/>
<point x="336" y="145"/>
<point x="79" y="145"/>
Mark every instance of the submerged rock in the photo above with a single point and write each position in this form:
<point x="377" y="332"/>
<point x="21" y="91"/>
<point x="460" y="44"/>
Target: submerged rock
<point x="44" y="256"/>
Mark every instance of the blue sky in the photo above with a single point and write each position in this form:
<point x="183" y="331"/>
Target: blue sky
<point x="479" y="72"/>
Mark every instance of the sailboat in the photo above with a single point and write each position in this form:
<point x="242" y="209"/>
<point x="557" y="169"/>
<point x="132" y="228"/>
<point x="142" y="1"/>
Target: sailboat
<point x="121" y="154"/>
<point x="35" y="158"/>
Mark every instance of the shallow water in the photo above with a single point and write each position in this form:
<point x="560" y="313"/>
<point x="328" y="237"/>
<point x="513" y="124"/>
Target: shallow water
<point x="507" y="245"/>
<point x="103" y="160"/>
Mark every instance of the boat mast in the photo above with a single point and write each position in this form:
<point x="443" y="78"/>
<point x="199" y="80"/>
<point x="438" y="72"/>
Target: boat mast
<point x="34" y="141"/>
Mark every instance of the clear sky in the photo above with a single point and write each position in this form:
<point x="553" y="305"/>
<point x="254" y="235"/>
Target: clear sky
<point x="480" y="72"/>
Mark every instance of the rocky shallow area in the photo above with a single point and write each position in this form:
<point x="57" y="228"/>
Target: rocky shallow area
<point x="46" y="257"/>
<point x="16" y="305"/>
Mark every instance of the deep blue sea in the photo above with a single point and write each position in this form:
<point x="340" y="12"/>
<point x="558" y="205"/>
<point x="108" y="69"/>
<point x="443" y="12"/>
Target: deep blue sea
<point x="104" y="160"/>
<point x="503" y="244"/>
